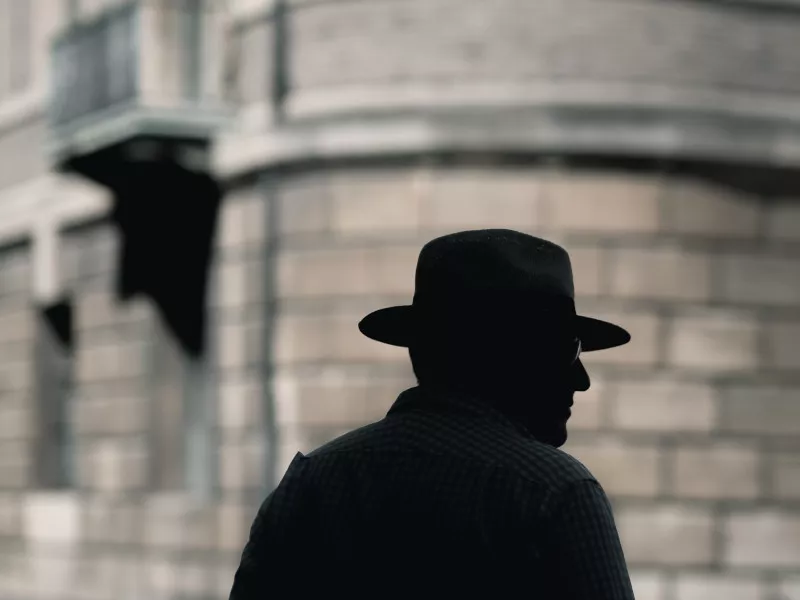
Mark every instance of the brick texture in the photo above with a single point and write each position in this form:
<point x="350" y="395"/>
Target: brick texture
<point x="782" y="344"/>
<point x="691" y="428"/>
<point x="693" y="209"/>
<point x="714" y="341"/>
<point x="715" y="587"/>
<point x="723" y="471"/>
<point x="765" y="538"/>
<point x="785" y="475"/>
<point x="783" y="221"/>
<point x="536" y="42"/>
<point x="770" y="280"/>
<point x="601" y="204"/>
<point x="667" y="535"/>
<point x="662" y="404"/>
<point x="761" y="410"/>
<point x="661" y="273"/>
<point x="623" y="470"/>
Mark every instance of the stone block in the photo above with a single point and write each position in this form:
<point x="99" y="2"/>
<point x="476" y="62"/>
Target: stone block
<point x="17" y="326"/>
<point x="662" y="404"/>
<point x="304" y="205"/>
<point x="783" y="221"/>
<point x="234" y="522"/>
<point x="644" y="348"/>
<point x="194" y="580"/>
<point x="131" y="360"/>
<point x="128" y="414"/>
<point x="11" y="511"/>
<point x="720" y="471"/>
<point x="17" y="376"/>
<point x="161" y="578"/>
<point x="232" y="471"/>
<point x="164" y="519"/>
<point x="695" y="208"/>
<point x="119" y="464"/>
<point x="224" y="574"/>
<point x="760" y="409"/>
<point x="587" y="270"/>
<point x="256" y="216"/>
<point x="94" y="309"/>
<point x="242" y="219"/>
<point x="759" y="279"/>
<point x="97" y="524"/>
<point x="52" y="518"/>
<point x="666" y="534"/>
<point x="608" y="204"/>
<point x="785" y="475"/>
<point x="15" y="422"/>
<point x="622" y="469"/>
<point x="15" y="465"/>
<point x="257" y="280"/>
<point x="790" y="588"/>
<point x="666" y="273"/>
<point x="240" y="402"/>
<point x="302" y="338"/>
<point x="391" y="269"/>
<point x="648" y="585"/>
<point x="372" y="202"/>
<point x="333" y="271"/>
<point x="766" y="538"/>
<point x="480" y="199"/>
<point x="232" y="283"/>
<point x="242" y="461"/>
<point x="201" y="526"/>
<point x="331" y="403"/>
<point x="232" y="348"/>
<point x="714" y="341"/>
<point x="782" y="345"/>
<point x="691" y="586"/>
<point x="230" y="223"/>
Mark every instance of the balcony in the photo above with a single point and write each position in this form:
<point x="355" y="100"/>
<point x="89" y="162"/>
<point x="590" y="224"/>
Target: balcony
<point x="141" y="77"/>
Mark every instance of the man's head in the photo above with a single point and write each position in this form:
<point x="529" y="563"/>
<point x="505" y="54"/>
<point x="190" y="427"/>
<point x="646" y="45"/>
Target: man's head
<point x="529" y="373"/>
<point x="494" y="313"/>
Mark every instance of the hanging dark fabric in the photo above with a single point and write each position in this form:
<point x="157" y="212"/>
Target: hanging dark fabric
<point x="166" y="216"/>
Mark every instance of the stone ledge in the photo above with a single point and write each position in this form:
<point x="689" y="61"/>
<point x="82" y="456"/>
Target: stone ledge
<point x="651" y="132"/>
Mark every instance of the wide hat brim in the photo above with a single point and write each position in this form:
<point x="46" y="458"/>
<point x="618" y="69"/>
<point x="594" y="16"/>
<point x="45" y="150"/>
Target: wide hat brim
<point x="395" y="326"/>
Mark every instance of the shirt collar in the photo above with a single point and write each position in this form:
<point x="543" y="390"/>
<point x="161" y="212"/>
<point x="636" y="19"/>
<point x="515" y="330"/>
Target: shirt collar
<point x="419" y="399"/>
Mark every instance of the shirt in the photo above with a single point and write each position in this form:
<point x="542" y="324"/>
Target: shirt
<point x="444" y="497"/>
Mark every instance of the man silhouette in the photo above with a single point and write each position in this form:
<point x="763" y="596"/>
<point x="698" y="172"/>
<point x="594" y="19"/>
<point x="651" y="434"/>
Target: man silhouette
<point x="460" y="489"/>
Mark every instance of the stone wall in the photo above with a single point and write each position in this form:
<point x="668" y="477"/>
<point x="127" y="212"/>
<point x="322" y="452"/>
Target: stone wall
<point x="691" y="428"/>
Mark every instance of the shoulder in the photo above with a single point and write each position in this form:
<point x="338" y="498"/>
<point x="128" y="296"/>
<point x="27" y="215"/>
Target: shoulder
<point x="545" y="465"/>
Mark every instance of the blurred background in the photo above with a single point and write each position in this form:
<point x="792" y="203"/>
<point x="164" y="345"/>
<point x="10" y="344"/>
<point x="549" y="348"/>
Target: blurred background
<point x="199" y="199"/>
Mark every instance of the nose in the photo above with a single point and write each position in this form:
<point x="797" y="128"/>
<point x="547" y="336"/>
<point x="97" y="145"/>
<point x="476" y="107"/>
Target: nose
<point x="582" y="382"/>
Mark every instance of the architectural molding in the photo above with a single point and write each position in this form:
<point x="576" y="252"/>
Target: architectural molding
<point x="669" y="133"/>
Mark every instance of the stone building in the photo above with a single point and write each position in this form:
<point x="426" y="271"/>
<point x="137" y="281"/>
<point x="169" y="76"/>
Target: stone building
<point x="658" y="141"/>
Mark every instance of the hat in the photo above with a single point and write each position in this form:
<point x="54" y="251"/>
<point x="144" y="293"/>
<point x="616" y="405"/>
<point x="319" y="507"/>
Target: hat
<point x="471" y="276"/>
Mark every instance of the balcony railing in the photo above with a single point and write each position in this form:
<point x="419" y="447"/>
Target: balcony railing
<point x="142" y="68"/>
<point x="96" y="65"/>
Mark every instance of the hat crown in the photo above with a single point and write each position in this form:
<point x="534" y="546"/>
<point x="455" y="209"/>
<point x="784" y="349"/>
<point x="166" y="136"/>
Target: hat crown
<point x="493" y="260"/>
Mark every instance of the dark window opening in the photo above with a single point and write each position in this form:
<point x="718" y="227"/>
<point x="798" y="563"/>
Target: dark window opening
<point x="54" y="364"/>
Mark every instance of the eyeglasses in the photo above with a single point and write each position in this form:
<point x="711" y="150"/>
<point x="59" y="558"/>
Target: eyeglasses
<point x="578" y="349"/>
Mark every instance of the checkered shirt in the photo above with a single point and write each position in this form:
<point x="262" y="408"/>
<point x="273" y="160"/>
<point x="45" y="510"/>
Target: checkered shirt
<point x="444" y="497"/>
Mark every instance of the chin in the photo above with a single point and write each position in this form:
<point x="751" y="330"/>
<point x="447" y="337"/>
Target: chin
<point x="554" y="436"/>
<point x="557" y="440"/>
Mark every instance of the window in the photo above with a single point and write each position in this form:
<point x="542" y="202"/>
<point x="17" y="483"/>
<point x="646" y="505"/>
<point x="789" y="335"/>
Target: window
<point x="54" y="362"/>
